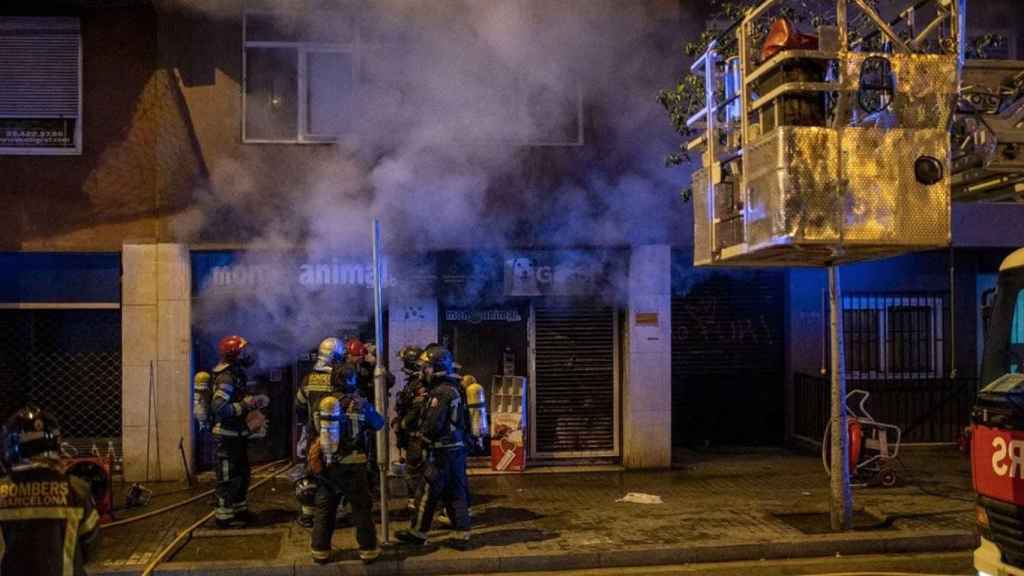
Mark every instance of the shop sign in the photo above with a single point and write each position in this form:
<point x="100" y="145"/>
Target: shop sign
<point x="221" y="273"/>
<point x="478" y="316"/>
<point x="554" y="273"/>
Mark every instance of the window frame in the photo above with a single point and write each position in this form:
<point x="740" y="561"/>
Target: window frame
<point x="883" y="304"/>
<point x="76" y="150"/>
<point x="356" y="49"/>
<point x="302" y="50"/>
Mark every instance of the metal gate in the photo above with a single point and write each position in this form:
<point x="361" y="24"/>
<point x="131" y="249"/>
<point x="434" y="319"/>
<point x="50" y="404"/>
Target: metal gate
<point x="67" y="362"/>
<point x="574" y="399"/>
<point x="728" y="359"/>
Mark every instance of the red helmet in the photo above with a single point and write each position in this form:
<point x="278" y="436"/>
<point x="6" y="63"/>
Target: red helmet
<point x="230" y="347"/>
<point x="354" y="348"/>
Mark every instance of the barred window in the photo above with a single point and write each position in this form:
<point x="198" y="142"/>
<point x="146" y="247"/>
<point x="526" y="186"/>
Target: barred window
<point x="893" y="336"/>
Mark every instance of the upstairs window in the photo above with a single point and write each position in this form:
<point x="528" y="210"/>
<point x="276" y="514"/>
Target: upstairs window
<point x="299" y="81"/>
<point x="40" y="86"/>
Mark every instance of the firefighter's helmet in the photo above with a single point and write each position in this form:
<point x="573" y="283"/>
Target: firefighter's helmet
<point x="233" y="349"/>
<point x="410" y="355"/>
<point x="329" y="352"/>
<point x="31" y="433"/>
<point x="438" y="358"/>
<point x="355" y="348"/>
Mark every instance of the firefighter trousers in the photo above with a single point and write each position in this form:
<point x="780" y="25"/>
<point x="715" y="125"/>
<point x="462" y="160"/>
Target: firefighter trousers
<point x="446" y="484"/>
<point x="232" y="477"/>
<point x="415" y="465"/>
<point x="351" y="481"/>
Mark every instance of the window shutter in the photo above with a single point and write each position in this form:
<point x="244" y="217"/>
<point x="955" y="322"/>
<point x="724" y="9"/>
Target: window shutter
<point x="39" y="67"/>
<point x="575" y="371"/>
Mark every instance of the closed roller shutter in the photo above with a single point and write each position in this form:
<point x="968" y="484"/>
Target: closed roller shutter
<point x="575" y="392"/>
<point x="728" y="359"/>
<point x="40" y="85"/>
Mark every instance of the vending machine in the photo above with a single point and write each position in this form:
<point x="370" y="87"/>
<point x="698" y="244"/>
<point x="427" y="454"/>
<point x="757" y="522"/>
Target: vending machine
<point x="508" y="423"/>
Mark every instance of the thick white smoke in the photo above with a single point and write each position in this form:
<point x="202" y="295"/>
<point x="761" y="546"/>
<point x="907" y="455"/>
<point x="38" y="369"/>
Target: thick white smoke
<point x="450" y="95"/>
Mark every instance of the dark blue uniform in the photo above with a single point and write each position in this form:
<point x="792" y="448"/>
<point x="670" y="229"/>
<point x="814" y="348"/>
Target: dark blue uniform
<point x="231" y="436"/>
<point x="443" y="428"/>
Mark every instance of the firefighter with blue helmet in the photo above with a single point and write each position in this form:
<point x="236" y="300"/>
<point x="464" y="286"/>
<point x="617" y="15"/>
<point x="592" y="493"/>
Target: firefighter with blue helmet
<point x="338" y="459"/>
<point x="443" y="427"/>
<point x="49" y="525"/>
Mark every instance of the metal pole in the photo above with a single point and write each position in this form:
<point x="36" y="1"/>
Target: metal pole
<point x="842" y="499"/>
<point x="379" y="380"/>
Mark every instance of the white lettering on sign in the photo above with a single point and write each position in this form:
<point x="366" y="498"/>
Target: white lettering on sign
<point x="308" y="275"/>
<point x="1014" y="450"/>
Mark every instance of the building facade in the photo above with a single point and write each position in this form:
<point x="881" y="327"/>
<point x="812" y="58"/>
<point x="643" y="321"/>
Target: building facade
<point x="213" y="167"/>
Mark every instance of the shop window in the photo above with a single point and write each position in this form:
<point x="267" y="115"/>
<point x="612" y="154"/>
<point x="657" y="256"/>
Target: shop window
<point x="40" y="86"/>
<point x="893" y="336"/>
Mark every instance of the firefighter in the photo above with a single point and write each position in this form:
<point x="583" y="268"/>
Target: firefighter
<point x="443" y="426"/>
<point x="48" y="522"/>
<point x="407" y="418"/>
<point x="362" y="358"/>
<point x="236" y="416"/>
<point x="315" y="386"/>
<point x="338" y="458"/>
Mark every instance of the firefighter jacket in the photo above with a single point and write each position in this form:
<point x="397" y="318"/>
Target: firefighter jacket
<point x="344" y="434"/>
<point x="226" y="407"/>
<point x="409" y="408"/>
<point x="444" y="419"/>
<point x="315" y="387"/>
<point x="48" y="523"/>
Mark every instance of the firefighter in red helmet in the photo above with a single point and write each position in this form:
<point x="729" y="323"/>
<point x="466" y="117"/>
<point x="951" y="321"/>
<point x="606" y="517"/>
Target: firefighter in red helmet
<point x="235" y="417"/>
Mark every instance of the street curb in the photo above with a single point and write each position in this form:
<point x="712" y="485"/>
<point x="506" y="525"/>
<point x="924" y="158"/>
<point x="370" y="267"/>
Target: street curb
<point x="809" y="547"/>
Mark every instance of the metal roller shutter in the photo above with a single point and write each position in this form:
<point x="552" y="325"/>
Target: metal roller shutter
<point x="575" y="391"/>
<point x="728" y="359"/>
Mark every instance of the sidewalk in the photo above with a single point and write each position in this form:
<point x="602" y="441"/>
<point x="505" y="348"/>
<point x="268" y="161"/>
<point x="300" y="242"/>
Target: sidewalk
<point x="716" y="507"/>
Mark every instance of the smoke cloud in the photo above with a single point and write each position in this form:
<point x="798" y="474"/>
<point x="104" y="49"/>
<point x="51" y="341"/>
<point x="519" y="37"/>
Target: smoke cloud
<point x="470" y="126"/>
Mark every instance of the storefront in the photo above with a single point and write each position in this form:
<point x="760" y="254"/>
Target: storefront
<point x="549" y="317"/>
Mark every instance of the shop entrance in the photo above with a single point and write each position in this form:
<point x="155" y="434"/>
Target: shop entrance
<point x="487" y="343"/>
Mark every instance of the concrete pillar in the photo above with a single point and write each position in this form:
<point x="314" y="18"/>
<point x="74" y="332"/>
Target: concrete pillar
<point x="156" y="359"/>
<point x="412" y="321"/>
<point x="647" y="389"/>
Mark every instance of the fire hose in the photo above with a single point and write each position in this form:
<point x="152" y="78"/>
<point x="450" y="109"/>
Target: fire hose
<point x="187" y="532"/>
<point x="170" y="507"/>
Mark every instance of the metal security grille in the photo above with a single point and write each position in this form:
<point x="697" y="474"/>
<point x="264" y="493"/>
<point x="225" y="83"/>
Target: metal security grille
<point x="575" y="408"/>
<point x="728" y="356"/>
<point x="68" y="362"/>
<point x="897" y="348"/>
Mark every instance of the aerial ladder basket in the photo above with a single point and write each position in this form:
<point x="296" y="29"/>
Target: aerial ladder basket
<point x="826" y="148"/>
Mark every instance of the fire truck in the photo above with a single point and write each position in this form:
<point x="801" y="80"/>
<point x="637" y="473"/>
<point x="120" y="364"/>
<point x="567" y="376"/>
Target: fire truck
<point x="997" y="438"/>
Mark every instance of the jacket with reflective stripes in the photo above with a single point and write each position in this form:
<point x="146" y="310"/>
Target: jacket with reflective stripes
<point x="315" y="387"/>
<point x="226" y="405"/>
<point x="48" y="523"/>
